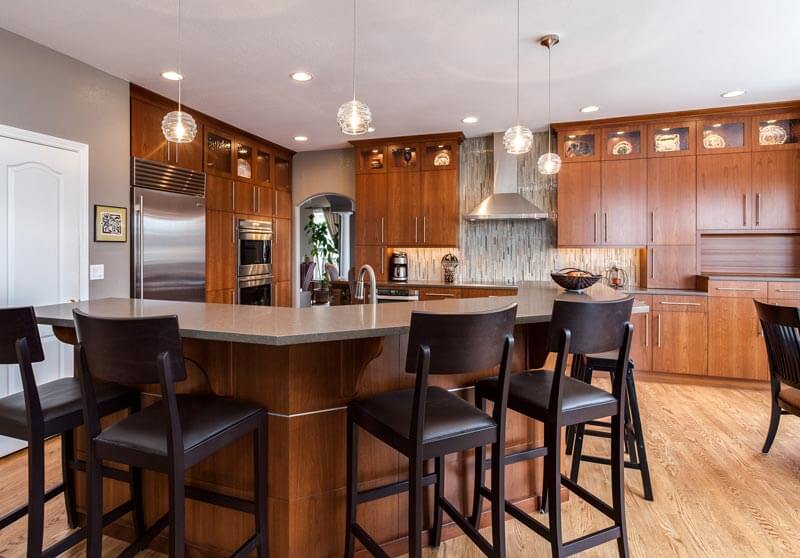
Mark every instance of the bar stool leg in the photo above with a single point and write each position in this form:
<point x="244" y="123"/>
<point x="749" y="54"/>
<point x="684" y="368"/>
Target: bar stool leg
<point x="498" y="501"/>
<point x="577" y="452"/>
<point x="415" y="507"/>
<point x="177" y="517"/>
<point x="480" y="459"/>
<point x="639" y="437"/>
<point x="260" y="463"/>
<point x="94" y="505"/>
<point x="578" y="372"/>
<point x="35" y="495"/>
<point x="352" y="486"/>
<point x="68" y="477"/>
<point x="552" y="479"/>
<point x="138" y="503"/>
<point x="436" y="530"/>
<point x="618" y="481"/>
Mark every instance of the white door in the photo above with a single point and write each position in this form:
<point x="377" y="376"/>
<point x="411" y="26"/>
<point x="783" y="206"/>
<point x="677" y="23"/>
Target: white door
<point x="41" y="245"/>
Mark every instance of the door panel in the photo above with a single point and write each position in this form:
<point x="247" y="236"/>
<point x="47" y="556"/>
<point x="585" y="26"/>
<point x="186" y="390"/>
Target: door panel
<point x="736" y="347"/>
<point x="671" y="267"/>
<point x="671" y="200"/>
<point x="776" y="189"/>
<point x="371" y="193"/>
<point x="624" y="194"/>
<point x="579" y="204"/>
<point x="440" y="208"/>
<point x="723" y="192"/>
<point x="680" y="342"/>
<point x="220" y="251"/>
<point x="405" y="219"/>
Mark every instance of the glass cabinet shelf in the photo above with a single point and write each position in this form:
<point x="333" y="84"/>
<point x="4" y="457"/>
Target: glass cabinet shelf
<point x="778" y="132"/>
<point x="622" y="143"/>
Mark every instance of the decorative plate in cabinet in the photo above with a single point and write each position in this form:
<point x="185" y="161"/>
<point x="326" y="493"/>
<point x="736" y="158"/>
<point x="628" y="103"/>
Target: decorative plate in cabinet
<point x="579" y="145"/>
<point x="723" y="135"/>
<point x="776" y="131"/>
<point x="671" y="139"/>
<point x="622" y="143"/>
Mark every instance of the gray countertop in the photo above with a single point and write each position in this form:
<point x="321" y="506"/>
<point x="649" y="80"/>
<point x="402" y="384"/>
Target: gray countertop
<point x="414" y="283"/>
<point x="289" y="326"/>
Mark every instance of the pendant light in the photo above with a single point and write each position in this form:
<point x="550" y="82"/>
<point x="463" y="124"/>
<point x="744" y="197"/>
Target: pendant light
<point x="518" y="139"/>
<point x="178" y="126"/>
<point x="354" y="117"/>
<point x="549" y="163"/>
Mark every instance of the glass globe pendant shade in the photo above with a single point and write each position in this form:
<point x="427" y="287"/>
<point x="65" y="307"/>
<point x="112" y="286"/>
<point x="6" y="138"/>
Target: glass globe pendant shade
<point x="549" y="163"/>
<point x="518" y="140"/>
<point x="354" y="118"/>
<point x="179" y="127"/>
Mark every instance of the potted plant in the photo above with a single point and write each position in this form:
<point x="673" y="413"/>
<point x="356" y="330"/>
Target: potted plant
<point x="323" y="249"/>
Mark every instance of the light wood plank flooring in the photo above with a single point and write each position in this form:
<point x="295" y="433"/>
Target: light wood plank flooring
<point x="716" y="494"/>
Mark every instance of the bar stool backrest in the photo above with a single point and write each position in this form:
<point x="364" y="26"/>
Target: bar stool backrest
<point x="780" y="325"/>
<point x="126" y="350"/>
<point x="460" y="343"/>
<point x="19" y="323"/>
<point x="595" y="327"/>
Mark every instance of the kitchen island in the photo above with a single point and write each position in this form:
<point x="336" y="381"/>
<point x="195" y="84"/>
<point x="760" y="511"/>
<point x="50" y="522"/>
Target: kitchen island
<point x="304" y="366"/>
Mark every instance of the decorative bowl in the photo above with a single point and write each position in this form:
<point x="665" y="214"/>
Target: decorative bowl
<point x="574" y="282"/>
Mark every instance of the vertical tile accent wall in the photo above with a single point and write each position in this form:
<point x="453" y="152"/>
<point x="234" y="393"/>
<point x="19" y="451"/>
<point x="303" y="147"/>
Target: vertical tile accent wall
<point x="511" y="251"/>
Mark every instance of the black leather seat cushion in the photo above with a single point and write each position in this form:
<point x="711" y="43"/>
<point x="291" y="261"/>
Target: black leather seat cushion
<point x="61" y="406"/>
<point x="202" y="417"/>
<point x="446" y="415"/>
<point x="529" y="393"/>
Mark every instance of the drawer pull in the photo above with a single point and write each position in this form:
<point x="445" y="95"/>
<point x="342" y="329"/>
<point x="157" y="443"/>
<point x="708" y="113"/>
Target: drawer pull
<point x="788" y="290"/>
<point x="440" y="294"/>
<point x="735" y="289"/>
<point x="680" y="303"/>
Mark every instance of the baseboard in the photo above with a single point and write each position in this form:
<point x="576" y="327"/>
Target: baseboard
<point x="711" y="381"/>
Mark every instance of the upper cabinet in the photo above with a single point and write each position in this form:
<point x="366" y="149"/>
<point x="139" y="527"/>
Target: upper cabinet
<point x="371" y="159"/>
<point x="263" y="171"/>
<point x="776" y="131"/>
<point x="579" y="145"/>
<point x="670" y="139"/>
<point x="724" y="197"/>
<point x="440" y="155"/>
<point x="671" y="205"/>
<point x="245" y="158"/>
<point x="623" y="142"/>
<point x="404" y="157"/>
<point x="723" y="135"/>
<point x="283" y="170"/>
<point x="148" y="141"/>
<point x="219" y="145"/>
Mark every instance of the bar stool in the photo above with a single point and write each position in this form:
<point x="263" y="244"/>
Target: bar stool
<point x="634" y="434"/>
<point x="429" y="422"/>
<point x="168" y="437"/>
<point x="52" y="409"/>
<point x="558" y="400"/>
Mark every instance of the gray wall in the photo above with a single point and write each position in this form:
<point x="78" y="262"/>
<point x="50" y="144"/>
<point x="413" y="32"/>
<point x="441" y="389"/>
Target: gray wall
<point x="44" y="91"/>
<point x="323" y="172"/>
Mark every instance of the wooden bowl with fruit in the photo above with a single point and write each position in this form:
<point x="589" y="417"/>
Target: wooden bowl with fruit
<point x="574" y="279"/>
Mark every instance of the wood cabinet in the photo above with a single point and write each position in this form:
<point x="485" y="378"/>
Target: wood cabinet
<point x="441" y="154"/>
<point x="783" y="291"/>
<point x="264" y="166"/>
<point x="282" y="294"/>
<point x="282" y="249"/>
<point x="225" y="296"/>
<point x="623" y="142"/>
<point x="405" y="219"/>
<point x="724" y="199"/>
<point x="680" y="335"/>
<point x="581" y="145"/>
<point x="579" y="200"/>
<point x="669" y="267"/>
<point x="253" y="199"/>
<point x="148" y="141"/>
<point x="282" y="204"/>
<point x="283" y="170"/>
<point x="736" y="346"/>
<point x="376" y="256"/>
<point x="624" y="202"/>
<point x="776" y="132"/>
<point x="439" y="293"/>
<point x="671" y="139"/>
<point x="219" y="151"/>
<point x="219" y="193"/>
<point x="671" y="201"/>
<point x="220" y="250"/>
<point x="371" y="209"/>
<point x="641" y="351"/>
<point x="723" y="135"/>
<point x="776" y="189"/>
<point x="440" y="217"/>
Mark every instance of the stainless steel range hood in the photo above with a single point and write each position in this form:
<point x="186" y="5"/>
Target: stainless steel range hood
<point x="505" y="203"/>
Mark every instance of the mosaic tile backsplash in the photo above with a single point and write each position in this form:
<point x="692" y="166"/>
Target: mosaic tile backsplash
<point x="511" y="251"/>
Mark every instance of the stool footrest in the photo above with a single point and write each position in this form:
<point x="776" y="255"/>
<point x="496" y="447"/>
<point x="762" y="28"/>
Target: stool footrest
<point x="524" y="455"/>
<point x="22" y="511"/>
<point x="368" y="542"/>
<point x="596" y="433"/>
<point x="466" y="526"/>
<point x="77" y="536"/>
<point x="391" y="489"/>
<point x="147" y="537"/>
<point x="588" y="497"/>
<point x="591" y="540"/>
<point x="247" y="547"/>
<point x="607" y="461"/>
<point x="222" y="500"/>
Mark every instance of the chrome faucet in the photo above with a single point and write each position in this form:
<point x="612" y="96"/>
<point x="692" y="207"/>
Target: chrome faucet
<point x="373" y="287"/>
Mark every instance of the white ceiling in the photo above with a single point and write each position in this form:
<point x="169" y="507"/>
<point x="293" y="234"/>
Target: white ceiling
<point x="425" y="64"/>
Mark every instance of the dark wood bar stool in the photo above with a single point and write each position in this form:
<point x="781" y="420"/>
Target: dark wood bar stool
<point x="781" y="327"/>
<point x="168" y="437"/>
<point x="634" y="434"/>
<point x="429" y="422"/>
<point x="558" y="400"/>
<point x="44" y="411"/>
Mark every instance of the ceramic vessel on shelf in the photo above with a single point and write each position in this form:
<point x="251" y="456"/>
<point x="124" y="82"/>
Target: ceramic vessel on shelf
<point x="772" y="134"/>
<point x="713" y="141"/>
<point x="616" y="278"/>
<point x="667" y="142"/>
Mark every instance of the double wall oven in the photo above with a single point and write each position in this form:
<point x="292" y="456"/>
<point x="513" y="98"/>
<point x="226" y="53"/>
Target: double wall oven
<point x="254" y="262"/>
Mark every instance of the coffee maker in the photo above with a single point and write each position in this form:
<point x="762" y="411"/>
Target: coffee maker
<point x="398" y="267"/>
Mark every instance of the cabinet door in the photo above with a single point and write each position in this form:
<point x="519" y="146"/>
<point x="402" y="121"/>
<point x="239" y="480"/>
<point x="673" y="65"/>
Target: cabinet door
<point x="219" y="193"/>
<point x="440" y="155"/>
<point x="723" y="192"/>
<point x="147" y="139"/>
<point x="404" y="227"/>
<point x="579" y="145"/>
<point x="264" y="163"/>
<point x="225" y="296"/>
<point x="188" y="155"/>
<point x="624" y="197"/>
<point x="723" y="135"/>
<point x="671" y="267"/>
<point x="282" y="203"/>
<point x="220" y="251"/>
<point x="374" y="256"/>
<point x="440" y="208"/>
<point x="671" y="200"/>
<point x="640" y="345"/>
<point x="736" y="347"/>
<point x="283" y="171"/>
<point x="439" y="293"/>
<point x="282" y="294"/>
<point x="680" y="342"/>
<point x="282" y="250"/>
<point x="671" y="139"/>
<point x="265" y="201"/>
<point x="776" y="189"/>
<point x="244" y="159"/>
<point x="244" y="198"/>
<point x="219" y="151"/>
<point x="370" y="209"/>
<point x="579" y="202"/>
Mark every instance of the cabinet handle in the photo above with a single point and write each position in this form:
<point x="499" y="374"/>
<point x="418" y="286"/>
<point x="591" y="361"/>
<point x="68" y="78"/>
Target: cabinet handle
<point x="680" y="303"/>
<point x="416" y="232"/>
<point x="233" y="228"/>
<point x="788" y="290"/>
<point x="233" y="195"/>
<point x="381" y="230"/>
<point x="653" y="226"/>
<point x="658" y="331"/>
<point x="652" y="263"/>
<point x="647" y="330"/>
<point x="275" y="207"/>
<point x="758" y="209"/>
<point x="383" y="257"/>
<point x="424" y="229"/>
<point x="605" y="227"/>
<point x="594" y="230"/>
<point x="744" y="211"/>
<point x="440" y="294"/>
<point x="735" y="289"/>
<point x="168" y="157"/>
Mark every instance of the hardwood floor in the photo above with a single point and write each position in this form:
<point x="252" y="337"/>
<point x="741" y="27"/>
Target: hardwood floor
<point x="716" y="494"/>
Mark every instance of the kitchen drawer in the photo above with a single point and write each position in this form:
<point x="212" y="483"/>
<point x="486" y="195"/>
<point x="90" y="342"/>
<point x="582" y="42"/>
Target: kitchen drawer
<point x="470" y="292"/>
<point x="784" y="290"/>
<point x="740" y="289"/>
<point x="679" y="303"/>
<point x="439" y="293"/>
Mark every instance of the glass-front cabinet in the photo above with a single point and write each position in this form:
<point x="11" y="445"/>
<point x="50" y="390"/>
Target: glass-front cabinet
<point x="371" y="159"/>
<point x="263" y="171"/>
<point x="579" y="145"/>
<point x="623" y="142"/>
<point x="776" y="132"/>
<point x="439" y="155"/>
<point x="404" y="157"/>
<point x="670" y="139"/>
<point x="723" y="135"/>
<point x="244" y="158"/>
<point x="219" y="151"/>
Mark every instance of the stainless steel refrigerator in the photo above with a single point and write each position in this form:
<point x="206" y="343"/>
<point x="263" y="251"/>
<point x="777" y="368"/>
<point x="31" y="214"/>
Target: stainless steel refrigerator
<point x="169" y="232"/>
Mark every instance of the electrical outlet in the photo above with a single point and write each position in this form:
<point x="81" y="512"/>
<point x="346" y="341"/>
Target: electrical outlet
<point x="97" y="272"/>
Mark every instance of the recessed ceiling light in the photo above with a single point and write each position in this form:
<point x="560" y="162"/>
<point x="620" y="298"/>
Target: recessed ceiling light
<point x="729" y="94"/>
<point x="302" y="76"/>
<point x="172" y="76"/>
<point x="590" y="108"/>
<point x="469" y="119"/>
<point x="300" y="138"/>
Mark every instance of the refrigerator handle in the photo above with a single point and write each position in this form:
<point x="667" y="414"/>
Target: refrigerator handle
<point x="141" y="247"/>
